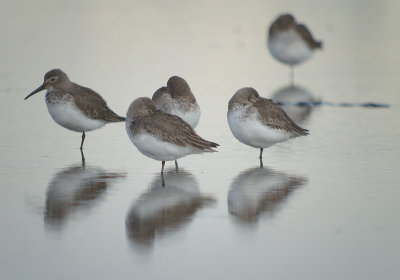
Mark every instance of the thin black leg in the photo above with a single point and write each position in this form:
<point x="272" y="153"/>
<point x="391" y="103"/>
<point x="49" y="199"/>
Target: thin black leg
<point x="261" y="161"/>
<point x="176" y="165"/>
<point x="83" y="139"/>
<point x="162" y="167"/>
<point x="162" y="173"/>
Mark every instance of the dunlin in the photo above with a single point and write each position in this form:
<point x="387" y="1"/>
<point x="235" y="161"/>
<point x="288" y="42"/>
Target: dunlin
<point x="290" y="42"/>
<point x="162" y="136"/>
<point x="177" y="99"/>
<point x="74" y="107"/>
<point x="259" y="122"/>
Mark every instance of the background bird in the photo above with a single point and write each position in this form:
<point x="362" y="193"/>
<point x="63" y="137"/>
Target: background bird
<point x="290" y="42"/>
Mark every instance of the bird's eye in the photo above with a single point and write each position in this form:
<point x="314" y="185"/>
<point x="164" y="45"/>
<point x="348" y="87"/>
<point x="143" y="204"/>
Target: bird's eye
<point x="52" y="79"/>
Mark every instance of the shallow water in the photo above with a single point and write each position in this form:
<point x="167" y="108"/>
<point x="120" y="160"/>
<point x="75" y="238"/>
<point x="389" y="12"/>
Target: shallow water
<point x="324" y="206"/>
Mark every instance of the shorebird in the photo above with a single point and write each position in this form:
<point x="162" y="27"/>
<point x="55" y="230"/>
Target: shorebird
<point x="290" y="42"/>
<point x="162" y="136"/>
<point x="74" y="107"/>
<point x="177" y="99"/>
<point x="259" y="122"/>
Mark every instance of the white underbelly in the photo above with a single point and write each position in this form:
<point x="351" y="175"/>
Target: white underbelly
<point x="252" y="132"/>
<point x="69" y="116"/>
<point x="159" y="150"/>
<point x="192" y="116"/>
<point x="289" y="48"/>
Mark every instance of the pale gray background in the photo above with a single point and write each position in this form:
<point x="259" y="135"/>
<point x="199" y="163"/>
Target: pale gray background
<point x="342" y="223"/>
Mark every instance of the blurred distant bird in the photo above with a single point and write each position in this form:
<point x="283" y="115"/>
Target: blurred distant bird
<point x="259" y="122"/>
<point x="290" y="42"/>
<point x="162" y="136"/>
<point x="74" y="107"/>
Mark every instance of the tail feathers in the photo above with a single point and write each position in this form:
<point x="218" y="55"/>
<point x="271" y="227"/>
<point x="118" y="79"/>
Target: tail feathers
<point x="305" y="132"/>
<point x="210" y="149"/>
<point x="214" y="144"/>
<point x="202" y="144"/>
<point x="110" y="116"/>
<point x="318" y="44"/>
<point x="299" y="131"/>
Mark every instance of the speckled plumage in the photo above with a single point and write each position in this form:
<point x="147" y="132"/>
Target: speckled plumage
<point x="88" y="101"/>
<point x="74" y="107"/>
<point x="160" y="135"/>
<point x="268" y="112"/>
<point x="259" y="122"/>
<point x="178" y="99"/>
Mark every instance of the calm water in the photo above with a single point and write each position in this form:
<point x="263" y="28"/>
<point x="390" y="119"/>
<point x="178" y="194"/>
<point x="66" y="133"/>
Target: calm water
<point x="324" y="206"/>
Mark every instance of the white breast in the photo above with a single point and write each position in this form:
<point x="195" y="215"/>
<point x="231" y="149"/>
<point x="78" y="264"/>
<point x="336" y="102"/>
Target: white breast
<point x="68" y="115"/>
<point x="190" y="113"/>
<point x="251" y="131"/>
<point x="288" y="47"/>
<point x="191" y="116"/>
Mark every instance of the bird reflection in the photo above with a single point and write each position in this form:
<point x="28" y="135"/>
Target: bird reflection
<point x="73" y="189"/>
<point x="164" y="209"/>
<point x="83" y="158"/>
<point x="260" y="190"/>
<point x="296" y="101"/>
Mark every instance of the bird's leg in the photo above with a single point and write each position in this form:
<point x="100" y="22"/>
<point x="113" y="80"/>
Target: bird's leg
<point x="261" y="161"/>
<point x="83" y="139"/>
<point x="162" y="167"/>
<point x="176" y="165"/>
<point x="261" y="152"/>
<point x="162" y="173"/>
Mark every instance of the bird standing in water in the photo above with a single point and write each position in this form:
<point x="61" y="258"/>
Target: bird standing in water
<point x="74" y="107"/>
<point x="178" y="99"/>
<point x="162" y="136"/>
<point x="290" y="42"/>
<point x="259" y="122"/>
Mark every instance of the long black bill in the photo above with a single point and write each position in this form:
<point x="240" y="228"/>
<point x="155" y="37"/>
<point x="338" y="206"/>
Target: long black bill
<point x="35" y="91"/>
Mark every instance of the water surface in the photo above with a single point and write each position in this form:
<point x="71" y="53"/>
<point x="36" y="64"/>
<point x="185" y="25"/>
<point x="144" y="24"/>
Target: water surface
<point x="323" y="206"/>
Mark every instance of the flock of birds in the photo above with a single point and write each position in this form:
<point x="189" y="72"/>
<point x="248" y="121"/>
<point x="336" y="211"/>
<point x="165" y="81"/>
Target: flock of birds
<point x="162" y="127"/>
